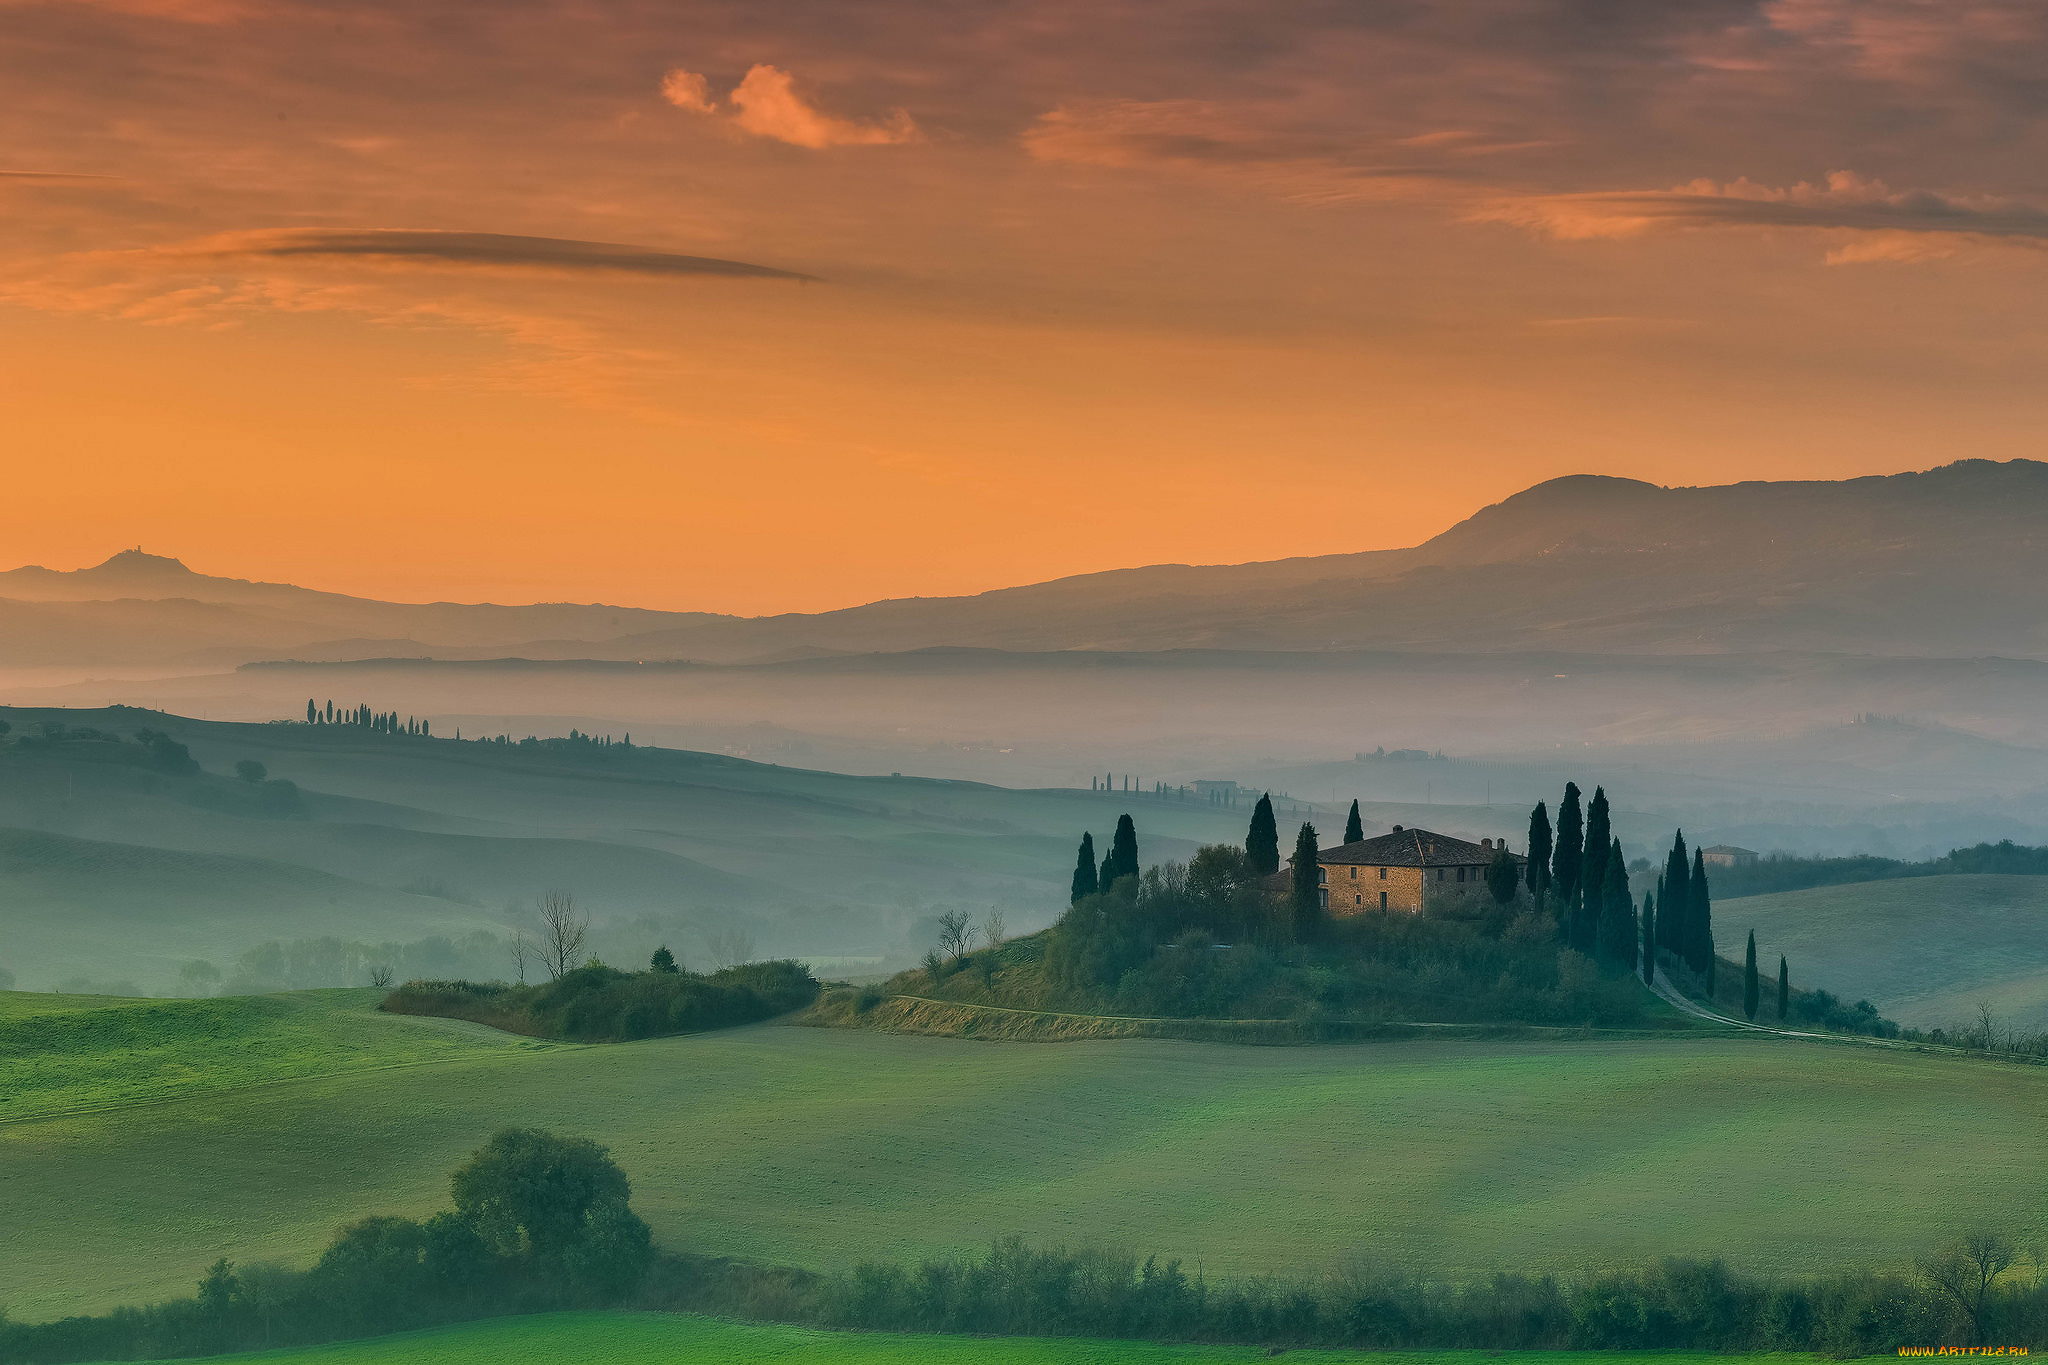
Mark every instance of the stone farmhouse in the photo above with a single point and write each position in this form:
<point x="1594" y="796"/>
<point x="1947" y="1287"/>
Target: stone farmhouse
<point x="1395" y="871"/>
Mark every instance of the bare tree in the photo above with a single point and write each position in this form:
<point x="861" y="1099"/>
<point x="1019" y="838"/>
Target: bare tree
<point x="956" y="930"/>
<point x="380" y="976"/>
<point x="730" y="947"/>
<point x="1966" y="1270"/>
<point x="522" y="949"/>
<point x="1987" y="1026"/>
<point x="992" y="927"/>
<point x="562" y="930"/>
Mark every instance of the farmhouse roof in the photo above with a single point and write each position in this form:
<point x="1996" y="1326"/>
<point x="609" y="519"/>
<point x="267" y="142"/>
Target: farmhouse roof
<point x="1729" y="848"/>
<point x="1410" y="848"/>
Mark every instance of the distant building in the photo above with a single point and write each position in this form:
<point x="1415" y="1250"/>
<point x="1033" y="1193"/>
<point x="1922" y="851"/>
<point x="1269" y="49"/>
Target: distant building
<point x="1395" y="871"/>
<point x="1728" y="855"/>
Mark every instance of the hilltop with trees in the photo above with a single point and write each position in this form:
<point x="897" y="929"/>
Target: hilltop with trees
<point x="1558" y="939"/>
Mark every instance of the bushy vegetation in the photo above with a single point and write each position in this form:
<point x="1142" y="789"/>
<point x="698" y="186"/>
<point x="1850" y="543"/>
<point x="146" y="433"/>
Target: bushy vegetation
<point x="1787" y="872"/>
<point x="1957" y="1295"/>
<point x="540" y="1222"/>
<point x="155" y="755"/>
<point x="600" y="1004"/>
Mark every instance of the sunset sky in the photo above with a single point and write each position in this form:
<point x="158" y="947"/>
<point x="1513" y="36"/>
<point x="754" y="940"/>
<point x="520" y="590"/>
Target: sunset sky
<point x="766" y="307"/>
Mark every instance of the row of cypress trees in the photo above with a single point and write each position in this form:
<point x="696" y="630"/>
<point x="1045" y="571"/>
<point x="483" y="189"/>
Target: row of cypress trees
<point x="1579" y="868"/>
<point x="384" y="722"/>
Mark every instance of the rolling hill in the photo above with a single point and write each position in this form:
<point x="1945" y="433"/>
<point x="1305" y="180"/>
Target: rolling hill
<point x="822" y="1148"/>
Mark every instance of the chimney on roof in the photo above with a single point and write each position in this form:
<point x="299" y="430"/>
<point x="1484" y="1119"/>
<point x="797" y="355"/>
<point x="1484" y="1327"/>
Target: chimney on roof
<point x="1397" y="829"/>
<point x="1486" y="844"/>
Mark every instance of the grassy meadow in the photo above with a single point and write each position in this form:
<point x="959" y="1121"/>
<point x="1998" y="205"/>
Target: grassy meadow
<point x="659" y="1338"/>
<point x="821" y="1147"/>
<point x="1925" y="950"/>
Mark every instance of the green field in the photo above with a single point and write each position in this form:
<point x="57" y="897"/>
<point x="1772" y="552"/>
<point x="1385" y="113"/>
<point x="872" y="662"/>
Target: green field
<point x="659" y="1338"/>
<point x="821" y="1147"/>
<point x="63" y="1053"/>
<point x="1925" y="950"/>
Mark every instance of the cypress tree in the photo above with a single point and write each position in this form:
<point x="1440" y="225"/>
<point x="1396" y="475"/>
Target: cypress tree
<point x="1617" y="911"/>
<point x="1566" y="862"/>
<point x="1107" y="875"/>
<point x="1086" y="879"/>
<point x="1539" y="851"/>
<point x="1354" y="828"/>
<point x="1649" y="939"/>
<point x="1262" y="842"/>
<point x="1749" y="987"/>
<point x="1123" y="849"/>
<point x="1308" y="884"/>
<point x="312" y="711"/>
<point x="1673" y="899"/>
<point x="1784" y="989"/>
<point x="1593" y="873"/>
<point x="1699" y="923"/>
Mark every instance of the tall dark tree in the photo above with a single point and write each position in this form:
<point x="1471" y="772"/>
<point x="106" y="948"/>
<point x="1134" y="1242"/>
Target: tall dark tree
<point x="1262" y="842"/>
<point x="1354" y="828"/>
<point x="1784" y="989"/>
<point x="1674" y="899"/>
<point x="312" y="712"/>
<point x="1750" y="993"/>
<point x="1086" y="876"/>
<point x="1123" y="851"/>
<point x="1593" y="869"/>
<point x="1649" y="937"/>
<point x="1306" y="899"/>
<point x="1699" y="923"/>
<point x="1106" y="876"/>
<point x="1617" y="910"/>
<point x="1539" y="851"/>
<point x="1503" y="877"/>
<point x="663" y="960"/>
<point x="1568" y="859"/>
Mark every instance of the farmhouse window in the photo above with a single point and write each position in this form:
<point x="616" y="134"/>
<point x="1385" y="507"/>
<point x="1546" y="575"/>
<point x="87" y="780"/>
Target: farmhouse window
<point x="1383" y="899"/>
<point x="1383" y="877"/>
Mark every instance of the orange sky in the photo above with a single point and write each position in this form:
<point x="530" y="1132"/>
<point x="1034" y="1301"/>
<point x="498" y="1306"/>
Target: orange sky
<point x="336" y="292"/>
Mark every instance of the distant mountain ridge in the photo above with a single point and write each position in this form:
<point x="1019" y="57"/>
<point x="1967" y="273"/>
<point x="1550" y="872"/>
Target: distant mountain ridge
<point x="1942" y="562"/>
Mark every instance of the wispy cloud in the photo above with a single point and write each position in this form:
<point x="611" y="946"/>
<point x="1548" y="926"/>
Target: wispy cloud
<point x="766" y="104"/>
<point x="461" y="249"/>
<point x="1844" y="202"/>
<point x="1252" y="145"/>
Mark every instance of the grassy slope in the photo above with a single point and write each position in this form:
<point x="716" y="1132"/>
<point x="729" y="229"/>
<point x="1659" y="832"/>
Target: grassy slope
<point x="1924" y="950"/>
<point x="820" y="1147"/>
<point x="658" y="1339"/>
<point x="63" y="1053"/>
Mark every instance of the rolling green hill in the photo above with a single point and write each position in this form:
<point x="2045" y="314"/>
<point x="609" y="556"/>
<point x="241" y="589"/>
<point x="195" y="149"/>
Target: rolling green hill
<point x="661" y="1338"/>
<point x="398" y="839"/>
<point x="824" y="1147"/>
<point x="1925" y="950"/>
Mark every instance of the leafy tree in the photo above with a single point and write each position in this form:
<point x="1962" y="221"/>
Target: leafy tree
<point x="1593" y="869"/>
<point x="1649" y="939"/>
<point x="1617" y="910"/>
<point x="533" y="1196"/>
<point x="1567" y="861"/>
<point x="1750" y="993"/>
<point x="1503" y="877"/>
<point x="1674" y="895"/>
<point x="1784" y="989"/>
<point x="1307" y="892"/>
<point x="1123" y="851"/>
<point x="1354" y="828"/>
<point x="1539" y="851"/>
<point x="663" y="960"/>
<point x="1086" y="878"/>
<point x="1262" y="841"/>
<point x="1699" y="922"/>
<point x="165" y="753"/>
<point x="252" y="772"/>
